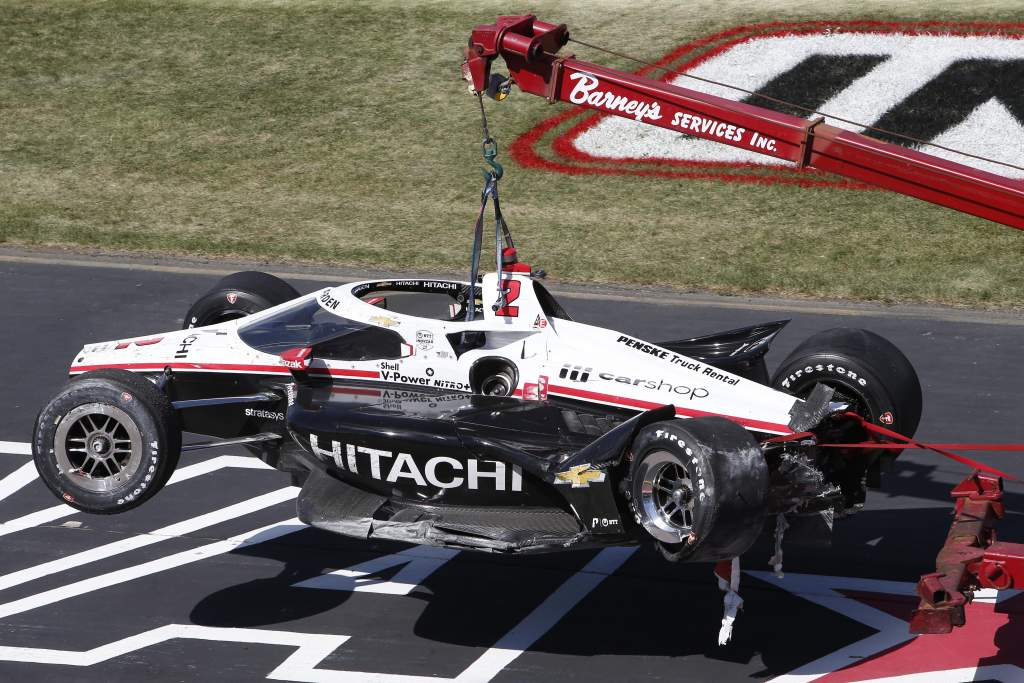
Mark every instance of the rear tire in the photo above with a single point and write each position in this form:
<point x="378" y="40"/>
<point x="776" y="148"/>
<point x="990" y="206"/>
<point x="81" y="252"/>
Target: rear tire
<point x="107" y="442"/>
<point x="238" y="295"/>
<point x="867" y="371"/>
<point x="699" y="487"/>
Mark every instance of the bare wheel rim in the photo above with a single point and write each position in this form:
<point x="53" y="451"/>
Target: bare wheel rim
<point x="666" y="497"/>
<point x="98" y="447"/>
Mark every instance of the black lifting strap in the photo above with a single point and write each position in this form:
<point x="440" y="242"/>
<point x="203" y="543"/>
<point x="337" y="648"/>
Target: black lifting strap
<point x="500" y="219"/>
<point x="501" y="231"/>
<point x="490" y="151"/>
<point x="478" y="238"/>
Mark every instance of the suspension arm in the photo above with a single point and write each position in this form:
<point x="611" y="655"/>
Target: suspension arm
<point x="529" y="48"/>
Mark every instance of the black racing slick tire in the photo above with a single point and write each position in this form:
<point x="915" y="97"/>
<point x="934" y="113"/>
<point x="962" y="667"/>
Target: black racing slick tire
<point x="699" y="487"/>
<point x="107" y="442"/>
<point x="238" y="295"/>
<point x="866" y="370"/>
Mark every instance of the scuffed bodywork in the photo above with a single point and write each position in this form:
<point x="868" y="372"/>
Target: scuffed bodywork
<point x="380" y="414"/>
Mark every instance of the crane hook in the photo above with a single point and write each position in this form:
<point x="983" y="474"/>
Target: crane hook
<point x="490" y="150"/>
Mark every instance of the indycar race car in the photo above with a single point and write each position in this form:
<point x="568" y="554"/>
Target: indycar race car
<point x="478" y="415"/>
<point x="520" y="430"/>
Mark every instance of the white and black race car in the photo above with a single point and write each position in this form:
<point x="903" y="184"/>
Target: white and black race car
<point x="416" y="410"/>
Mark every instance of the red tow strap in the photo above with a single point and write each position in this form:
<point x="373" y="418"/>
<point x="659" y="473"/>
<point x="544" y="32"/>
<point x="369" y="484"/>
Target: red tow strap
<point x="907" y="442"/>
<point x="1016" y="447"/>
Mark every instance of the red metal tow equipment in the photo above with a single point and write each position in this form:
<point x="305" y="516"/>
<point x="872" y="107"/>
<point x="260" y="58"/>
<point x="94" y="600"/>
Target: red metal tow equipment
<point x="971" y="557"/>
<point x="529" y="48"/>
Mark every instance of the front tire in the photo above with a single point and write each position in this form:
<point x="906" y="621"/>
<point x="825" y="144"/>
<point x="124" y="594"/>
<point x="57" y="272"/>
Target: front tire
<point x="699" y="487"/>
<point x="107" y="442"/>
<point x="238" y="295"/>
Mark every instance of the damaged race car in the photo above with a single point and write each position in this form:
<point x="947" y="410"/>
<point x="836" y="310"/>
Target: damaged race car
<point x="514" y="429"/>
<point x="478" y="415"/>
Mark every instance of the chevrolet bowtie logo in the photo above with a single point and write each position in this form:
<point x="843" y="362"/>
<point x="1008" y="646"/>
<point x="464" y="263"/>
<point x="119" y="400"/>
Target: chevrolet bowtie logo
<point x="579" y="476"/>
<point x="383" y="321"/>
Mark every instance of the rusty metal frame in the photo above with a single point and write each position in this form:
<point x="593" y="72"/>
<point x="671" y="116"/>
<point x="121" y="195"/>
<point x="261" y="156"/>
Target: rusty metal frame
<point x="970" y="559"/>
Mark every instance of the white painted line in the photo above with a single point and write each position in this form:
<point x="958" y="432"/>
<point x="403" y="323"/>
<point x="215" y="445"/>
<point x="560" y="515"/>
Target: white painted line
<point x="417" y="562"/>
<point x="310" y="650"/>
<point x="52" y="514"/>
<point x="121" y="576"/>
<point x="311" y="647"/>
<point x="15" y="448"/>
<point x="38" y="518"/>
<point x="824" y="590"/>
<point x="17" y="480"/>
<point x="128" y="544"/>
<point x="546" y="615"/>
<point x="245" y="462"/>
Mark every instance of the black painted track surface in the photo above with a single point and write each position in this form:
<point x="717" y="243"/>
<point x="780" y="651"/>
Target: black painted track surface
<point x="151" y="608"/>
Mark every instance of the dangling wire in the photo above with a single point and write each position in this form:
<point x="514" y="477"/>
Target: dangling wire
<point x="483" y="116"/>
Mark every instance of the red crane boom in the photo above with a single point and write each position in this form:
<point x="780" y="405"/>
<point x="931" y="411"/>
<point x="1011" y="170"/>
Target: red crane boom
<point x="529" y="48"/>
<point x="971" y="557"/>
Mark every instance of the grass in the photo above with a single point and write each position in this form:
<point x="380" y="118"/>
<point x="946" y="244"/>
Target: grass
<point x="339" y="133"/>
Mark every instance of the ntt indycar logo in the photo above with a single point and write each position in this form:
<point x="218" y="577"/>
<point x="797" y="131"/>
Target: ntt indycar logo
<point x="956" y="85"/>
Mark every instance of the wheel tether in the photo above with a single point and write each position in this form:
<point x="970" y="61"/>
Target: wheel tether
<point x="728" y="574"/>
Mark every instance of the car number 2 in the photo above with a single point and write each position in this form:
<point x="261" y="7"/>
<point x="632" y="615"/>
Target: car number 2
<point x="512" y="289"/>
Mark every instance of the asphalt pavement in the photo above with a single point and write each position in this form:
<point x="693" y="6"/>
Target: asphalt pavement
<point x="214" y="580"/>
